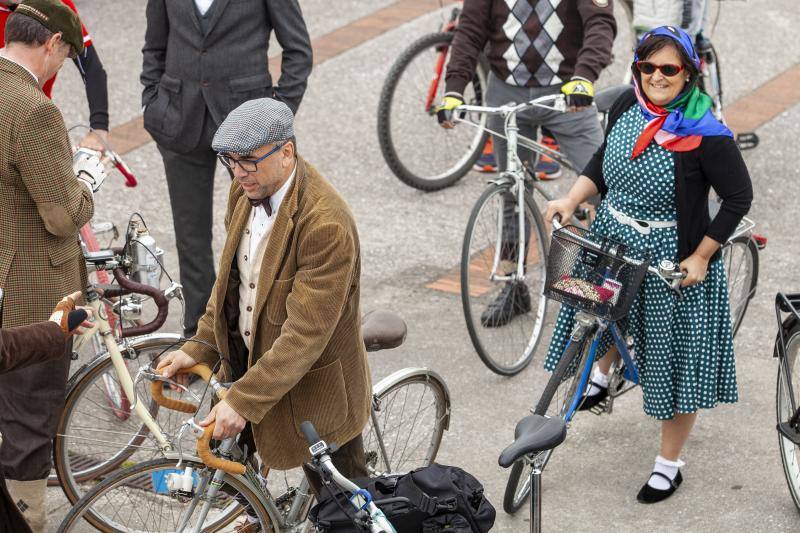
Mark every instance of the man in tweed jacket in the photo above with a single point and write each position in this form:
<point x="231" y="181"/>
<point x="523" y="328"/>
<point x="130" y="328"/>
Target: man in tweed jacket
<point x="43" y="207"/>
<point x="284" y="311"/>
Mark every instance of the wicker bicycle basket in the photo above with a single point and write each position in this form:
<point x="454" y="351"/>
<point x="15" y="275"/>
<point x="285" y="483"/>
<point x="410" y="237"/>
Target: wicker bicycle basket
<point x="593" y="273"/>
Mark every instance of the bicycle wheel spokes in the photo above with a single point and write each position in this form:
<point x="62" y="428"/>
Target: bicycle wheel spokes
<point x="93" y="441"/>
<point x="505" y="316"/>
<point x="138" y="500"/>
<point x="790" y="452"/>
<point x="417" y="149"/>
<point x="406" y="425"/>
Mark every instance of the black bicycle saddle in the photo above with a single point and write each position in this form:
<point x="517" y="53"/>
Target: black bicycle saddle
<point x="534" y="433"/>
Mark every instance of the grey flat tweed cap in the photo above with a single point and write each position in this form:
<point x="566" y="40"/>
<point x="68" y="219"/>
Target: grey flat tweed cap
<point x="254" y="124"/>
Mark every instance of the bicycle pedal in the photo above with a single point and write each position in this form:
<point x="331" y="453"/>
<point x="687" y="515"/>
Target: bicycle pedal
<point x="600" y="408"/>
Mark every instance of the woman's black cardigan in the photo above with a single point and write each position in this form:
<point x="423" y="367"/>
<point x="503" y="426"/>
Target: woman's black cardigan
<point x="716" y="163"/>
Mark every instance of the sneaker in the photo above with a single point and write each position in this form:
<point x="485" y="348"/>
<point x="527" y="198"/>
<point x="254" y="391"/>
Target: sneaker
<point x="486" y="162"/>
<point x="513" y="300"/>
<point x="546" y="168"/>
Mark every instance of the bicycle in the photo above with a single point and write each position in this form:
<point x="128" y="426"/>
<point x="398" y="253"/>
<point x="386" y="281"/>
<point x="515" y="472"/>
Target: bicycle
<point x="410" y="412"/>
<point x="419" y="152"/>
<point x="96" y="433"/>
<point x="787" y="395"/>
<point x="496" y="257"/>
<point x="413" y="91"/>
<point x="740" y="257"/>
<point x="599" y="278"/>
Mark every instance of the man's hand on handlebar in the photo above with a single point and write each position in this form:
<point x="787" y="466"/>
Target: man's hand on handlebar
<point x="579" y="92"/>
<point x="174" y="361"/>
<point x="444" y="111"/>
<point x="228" y="422"/>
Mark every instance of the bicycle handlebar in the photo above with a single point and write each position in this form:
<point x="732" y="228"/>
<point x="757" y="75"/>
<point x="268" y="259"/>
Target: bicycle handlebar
<point x="559" y="103"/>
<point x="668" y="271"/>
<point x="157" y="390"/>
<point x="310" y="433"/>
<point x="128" y="286"/>
<point x="130" y="179"/>
<point x="212" y="461"/>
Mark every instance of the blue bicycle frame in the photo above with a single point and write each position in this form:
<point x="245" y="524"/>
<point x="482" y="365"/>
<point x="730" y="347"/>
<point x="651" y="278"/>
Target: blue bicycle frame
<point x="631" y="372"/>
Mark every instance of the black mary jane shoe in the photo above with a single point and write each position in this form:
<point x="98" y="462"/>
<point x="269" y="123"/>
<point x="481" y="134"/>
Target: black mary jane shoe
<point x="594" y="399"/>
<point x="650" y="495"/>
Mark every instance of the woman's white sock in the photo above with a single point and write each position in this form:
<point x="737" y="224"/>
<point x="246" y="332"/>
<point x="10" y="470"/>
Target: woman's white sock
<point x="666" y="467"/>
<point x="599" y="378"/>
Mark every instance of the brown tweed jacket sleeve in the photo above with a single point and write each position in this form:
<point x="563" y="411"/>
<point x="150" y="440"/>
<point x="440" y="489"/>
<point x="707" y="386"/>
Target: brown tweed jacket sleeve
<point x="42" y="156"/>
<point x="326" y="261"/>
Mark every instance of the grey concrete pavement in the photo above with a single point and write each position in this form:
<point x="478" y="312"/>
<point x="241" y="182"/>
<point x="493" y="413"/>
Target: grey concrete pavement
<point x="733" y="476"/>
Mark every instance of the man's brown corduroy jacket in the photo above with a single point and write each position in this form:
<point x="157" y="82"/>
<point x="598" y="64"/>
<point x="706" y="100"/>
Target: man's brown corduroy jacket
<point x="307" y="359"/>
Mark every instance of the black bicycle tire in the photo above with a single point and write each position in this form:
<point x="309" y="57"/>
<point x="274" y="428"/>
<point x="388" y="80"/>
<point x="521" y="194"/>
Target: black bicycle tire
<point x="752" y="248"/>
<point x="74" y="514"/>
<point x="464" y="282"/>
<point x="384" y="118"/>
<point x="60" y="453"/>
<point x="795" y="331"/>
<point x="512" y="501"/>
<point x="441" y="391"/>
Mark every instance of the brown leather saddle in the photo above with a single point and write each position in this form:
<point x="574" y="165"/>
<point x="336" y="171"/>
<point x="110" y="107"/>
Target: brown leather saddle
<point x="382" y="330"/>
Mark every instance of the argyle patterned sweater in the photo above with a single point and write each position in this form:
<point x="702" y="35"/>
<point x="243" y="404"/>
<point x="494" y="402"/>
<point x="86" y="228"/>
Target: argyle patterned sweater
<point x="532" y="43"/>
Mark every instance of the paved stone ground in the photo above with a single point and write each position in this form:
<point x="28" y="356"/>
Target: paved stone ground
<point x="733" y="477"/>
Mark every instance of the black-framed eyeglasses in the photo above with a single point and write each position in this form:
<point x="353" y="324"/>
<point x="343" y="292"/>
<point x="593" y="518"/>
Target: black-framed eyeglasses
<point x="248" y="165"/>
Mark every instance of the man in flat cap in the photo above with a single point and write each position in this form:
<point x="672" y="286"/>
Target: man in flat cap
<point x="285" y="305"/>
<point x="43" y="207"/>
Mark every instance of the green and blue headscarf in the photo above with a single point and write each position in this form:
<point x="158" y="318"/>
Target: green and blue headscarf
<point x="680" y="125"/>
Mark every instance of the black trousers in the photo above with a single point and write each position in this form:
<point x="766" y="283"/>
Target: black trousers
<point x="190" y="179"/>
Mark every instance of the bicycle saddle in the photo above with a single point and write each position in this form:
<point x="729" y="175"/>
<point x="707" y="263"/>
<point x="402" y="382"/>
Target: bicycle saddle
<point x="382" y="330"/>
<point x="605" y="98"/>
<point x="534" y="433"/>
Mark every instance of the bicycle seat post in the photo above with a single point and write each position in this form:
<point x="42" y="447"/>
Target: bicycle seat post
<point x="536" y="498"/>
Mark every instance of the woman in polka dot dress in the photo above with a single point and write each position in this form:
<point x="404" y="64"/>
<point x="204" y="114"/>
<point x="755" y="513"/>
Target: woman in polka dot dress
<point x="663" y="151"/>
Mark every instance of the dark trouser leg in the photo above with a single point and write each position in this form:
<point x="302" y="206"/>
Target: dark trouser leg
<point x="190" y="179"/>
<point x="31" y="402"/>
<point x="348" y="459"/>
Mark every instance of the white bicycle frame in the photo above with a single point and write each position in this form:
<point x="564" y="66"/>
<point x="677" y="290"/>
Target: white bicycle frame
<point x="124" y="376"/>
<point x="515" y="168"/>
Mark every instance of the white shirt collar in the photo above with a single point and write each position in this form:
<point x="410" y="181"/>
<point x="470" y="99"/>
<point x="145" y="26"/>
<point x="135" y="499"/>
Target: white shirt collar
<point x="3" y="55"/>
<point x="276" y="199"/>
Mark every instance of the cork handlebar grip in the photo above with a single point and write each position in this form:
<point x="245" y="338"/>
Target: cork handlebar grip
<point x="211" y="460"/>
<point x="157" y="390"/>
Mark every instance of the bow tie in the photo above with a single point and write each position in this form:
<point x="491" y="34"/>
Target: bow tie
<point x="264" y="202"/>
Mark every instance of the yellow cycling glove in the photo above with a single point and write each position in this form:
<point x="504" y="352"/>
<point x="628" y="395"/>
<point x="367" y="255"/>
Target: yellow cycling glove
<point x="580" y="92"/>
<point x="444" y="111"/>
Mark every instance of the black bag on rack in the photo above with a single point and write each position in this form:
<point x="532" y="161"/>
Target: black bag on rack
<point x="431" y="499"/>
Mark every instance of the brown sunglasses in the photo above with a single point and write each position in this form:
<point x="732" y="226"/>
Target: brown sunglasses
<point x="668" y="70"/>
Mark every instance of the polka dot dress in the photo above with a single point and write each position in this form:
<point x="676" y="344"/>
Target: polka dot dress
<point x="683" y="348"/>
